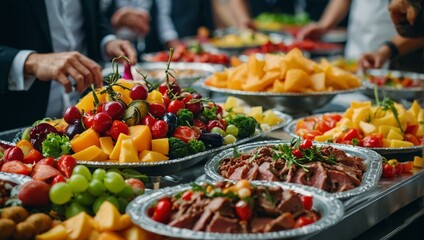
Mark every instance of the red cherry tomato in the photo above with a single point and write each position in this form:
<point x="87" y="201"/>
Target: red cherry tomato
<point x="297" y="153"/>
<point x="373" y="141"/>
<point x="186" y="97"/>
<point x="306" y="144"/>
<point x="13" y="153"/>
<point x="411" y="138"/>
<point x="33" y="156"/>
<point x="48" y="161"/>
<point x="411" y="129"/>
<point x="303" y="221"/>
<point x="175" y="106"/>
<point x="88" y="120"/>
<point x="322" y="126"/>
<point x="166" y="99"/>
<point x="350" y="134"/>
<point x="307" y="201"/>
<point x="117" y="128"/>
<point x="243" y="210"/>
<point x="139" y="92"/>
<point x="66" y="165"/>
<point x="159" y="129"/>
<point x="162" y="212"/>
<point x="187" y="195"/>
<point x="388" y="170"/>
<point x="186" y="133"/>
<point x="201" y="125"/>
<point x="407" y="166"/>
<point x="312" y="134"/>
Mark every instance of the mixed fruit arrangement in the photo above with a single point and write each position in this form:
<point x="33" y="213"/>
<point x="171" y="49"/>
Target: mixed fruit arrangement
<point x="284" y="73"/>
<point x="393" y="167"/>
<point x="245" y="38"/>
<point x="390" y="81"/>
<point x="279" y="21"/>
<point x="129" y="121"/>
<point x="192" y="53"/>
<point x="387" y="124"/>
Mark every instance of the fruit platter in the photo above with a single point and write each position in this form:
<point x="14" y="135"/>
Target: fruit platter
<point x="342" y="171"/>
<point x="394" y="84"/>
<point x="386" y="127"/>
<point x="156" y="128"/>
<point x="239" y="41"/>
<point x="313" y="47"/>
<point x="228" y="214"/>
<point x="289" y="82"/>
<point x="192" y="53"/>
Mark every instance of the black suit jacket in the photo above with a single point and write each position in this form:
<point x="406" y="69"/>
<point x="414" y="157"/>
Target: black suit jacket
<point x="24" y="25"/>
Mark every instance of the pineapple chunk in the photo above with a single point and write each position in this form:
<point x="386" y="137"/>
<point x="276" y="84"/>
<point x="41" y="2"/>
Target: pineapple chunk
<point x="256" y="113"/>
<point x="384" y="129"/>
<point x="415" y="108"/>
<point x="418" y="162"/>
<point x="367" y="128"/>
<point x="394" y="143"/>
<point x="360" y="114"/>
<point x="231" y="102"/>
<point x="270" y="118"/>
<point x="394" y="135"/>
<point x="386" y="142"/>
<point x="355" y="104"/>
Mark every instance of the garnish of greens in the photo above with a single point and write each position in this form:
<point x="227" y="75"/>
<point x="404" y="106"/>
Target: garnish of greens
<point x="387" y="105"/>
<point x="216" y="191"/>
<point x="56" y="145"/>
<point x="112" y="80"/>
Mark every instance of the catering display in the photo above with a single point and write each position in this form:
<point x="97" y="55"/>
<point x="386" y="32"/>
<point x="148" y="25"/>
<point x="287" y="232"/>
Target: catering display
<point x="239" y="40"/>
<point x="307" y="45"/>
<point x="396" y="85"/>
<point x="344" y="171"/>
<point x="240" y="210"/>
<point x="279" y="21"/>
<point x="290" y="82"/>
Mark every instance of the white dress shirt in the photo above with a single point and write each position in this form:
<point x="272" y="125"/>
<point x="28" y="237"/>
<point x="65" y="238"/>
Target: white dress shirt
<point x="369" y="26"/>
<point x="66" y="28"/>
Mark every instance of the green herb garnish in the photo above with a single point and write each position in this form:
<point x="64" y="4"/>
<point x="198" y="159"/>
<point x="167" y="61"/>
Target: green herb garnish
<point x="55" y="145"/>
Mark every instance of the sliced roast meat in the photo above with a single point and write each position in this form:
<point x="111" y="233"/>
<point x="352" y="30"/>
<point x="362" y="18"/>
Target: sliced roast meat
<point x="253" y="172"/>
<point x="223" y="224"/>
<point x="186" y="221"/>
<point x="265" y="172"/>
<point x="284" y="221"/>
<point x="290" y="202"/>
<point x="239" y="173"/>
<point x="339" y="181"/>
<point x="259" y="224"/>
<point x="315" y="176"/>
<point x="204" y="219"/>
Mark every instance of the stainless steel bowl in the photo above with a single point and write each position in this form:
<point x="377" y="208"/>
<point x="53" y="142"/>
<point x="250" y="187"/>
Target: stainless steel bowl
<point x="372" y="161"/>
<point x="286" y="102"/>
<point x="409" y="93"/>
<point x="18" y="179"/>
<point x="331" y="210"/>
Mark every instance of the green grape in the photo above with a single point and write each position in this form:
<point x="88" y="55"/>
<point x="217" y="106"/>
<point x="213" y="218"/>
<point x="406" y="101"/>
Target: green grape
<point x="96" y="188"/>
<point x="98" y="202"/>
<point x="99" y="174"/>
<point x="127" y="192"/>
<point x="219" y="131"/>
<point x="232" y="129"/>
<point x="114" y="182"/>
<point x="229" y="139"/>
<point x="60" y="193"/>
<point x="82" y="170"/>
<point x="122" y="205"/>
<point x="78" y="183"/>
<point x="74" y="209"/>
<point x="84" y="198"/>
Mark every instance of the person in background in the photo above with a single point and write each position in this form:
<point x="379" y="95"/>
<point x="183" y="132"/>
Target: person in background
<point x="50" y="41"/>
<point x="408" y="19"/>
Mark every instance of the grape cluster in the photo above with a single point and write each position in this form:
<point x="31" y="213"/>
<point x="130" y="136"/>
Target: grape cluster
<point x="84" y="191"/>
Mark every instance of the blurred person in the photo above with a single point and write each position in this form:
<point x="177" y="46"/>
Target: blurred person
<point x="46" y="42"/>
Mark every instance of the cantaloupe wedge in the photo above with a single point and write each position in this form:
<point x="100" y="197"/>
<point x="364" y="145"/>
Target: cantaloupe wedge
<point x="79" y="226"/>
<point x="161" y="145"/>
<point x="90" y="154"/>
<point x="109" y="236"/>
<point x="56" y="233"/>
<point x="137" y="233"/>
<point x="106" y="144"/>
<point x="141" y="137"/>
<point x="84" y="140"/>
<point x="87" y="102"/>
<point x="128" y="152"/>
<point x="108" y="217"/>
<point x="114" y="155"/>
<point x="151" y="156"/>
<point x="124" y="222"/>
<point x="124" y="93"/>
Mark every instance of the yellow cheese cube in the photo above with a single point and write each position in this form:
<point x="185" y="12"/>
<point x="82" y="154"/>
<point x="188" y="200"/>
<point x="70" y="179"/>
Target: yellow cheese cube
<point x="106" y="144"/>
<point x="161" y="145"/>
<point x="92" y="153"/>
<point x="114" y="155"/>
<point x="128" y="152"/>
<point x="141" y="137"/>
<point x="418" y="162"/>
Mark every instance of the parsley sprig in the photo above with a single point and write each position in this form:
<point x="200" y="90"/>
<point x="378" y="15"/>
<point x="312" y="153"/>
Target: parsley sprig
<point x="387" y="105"/>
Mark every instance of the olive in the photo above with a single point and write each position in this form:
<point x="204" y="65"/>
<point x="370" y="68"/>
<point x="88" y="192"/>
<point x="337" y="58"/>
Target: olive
<point x="170" y="119"/>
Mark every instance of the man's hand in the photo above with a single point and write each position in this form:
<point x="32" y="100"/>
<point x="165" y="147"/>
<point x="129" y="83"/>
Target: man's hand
<point x="116" y="48"/>
<point x="311" y="31"/>
<point x="134" y="19"/>
<point x="374" y="59"/>
<point x="60" y="66"/>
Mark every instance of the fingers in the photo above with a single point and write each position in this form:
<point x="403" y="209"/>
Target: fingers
<point x="129" y="51"/>
<point x="411" y="15"/>
<point x="93" y="68"/>
<point x="79" y="78"/>
<point x="366" y="61"/>
<point x="62" y="79"/>
<point x="85" y="72"/>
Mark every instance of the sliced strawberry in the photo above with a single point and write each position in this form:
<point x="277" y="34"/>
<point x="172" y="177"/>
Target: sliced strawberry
<point x="16" y="167"/>
<point x="44" y="172"/>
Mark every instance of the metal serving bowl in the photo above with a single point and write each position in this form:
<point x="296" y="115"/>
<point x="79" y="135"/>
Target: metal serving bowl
<point x="286" y="102"/>
<point x="408" y="93"/>
<point x="372" y="161"/>
<point x="331" y="210"/>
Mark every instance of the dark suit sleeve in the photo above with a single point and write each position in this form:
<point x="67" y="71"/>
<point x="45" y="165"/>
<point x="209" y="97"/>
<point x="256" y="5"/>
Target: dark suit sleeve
<point x="7" y="55"/>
